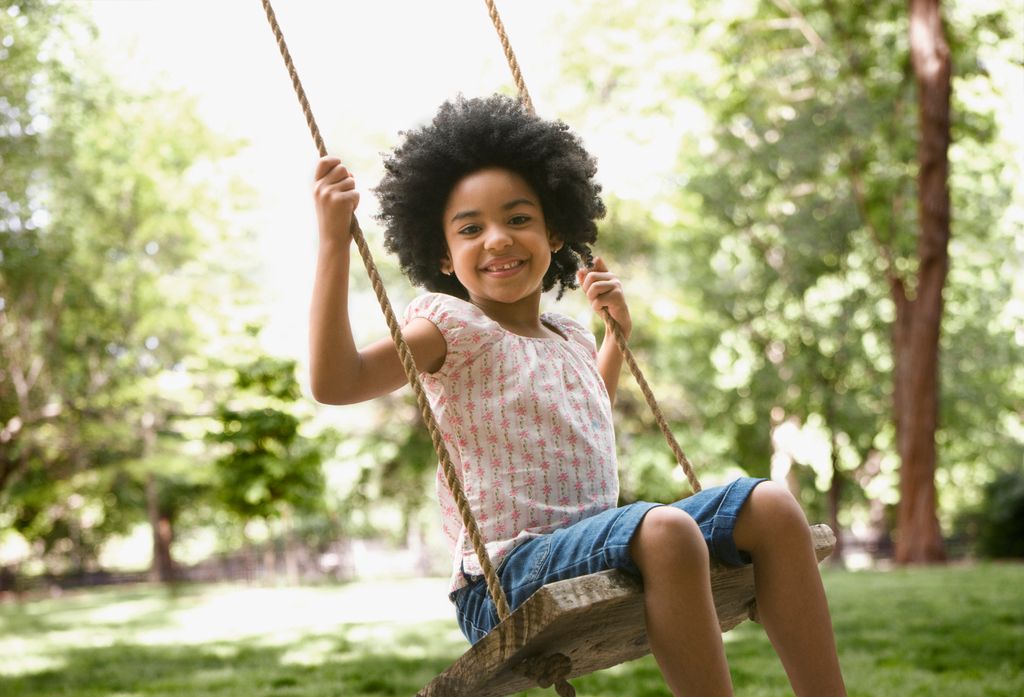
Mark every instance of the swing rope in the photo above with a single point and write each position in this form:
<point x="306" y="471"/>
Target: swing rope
<point x="620" y="339"/>
<point x="451" y="477"/>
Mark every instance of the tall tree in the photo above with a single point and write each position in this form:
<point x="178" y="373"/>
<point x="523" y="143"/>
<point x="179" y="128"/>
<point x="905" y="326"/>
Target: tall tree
<point x="918" y="323"/>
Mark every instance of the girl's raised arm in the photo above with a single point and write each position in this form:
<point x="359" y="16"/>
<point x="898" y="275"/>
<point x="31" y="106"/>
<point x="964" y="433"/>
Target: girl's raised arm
<point x="339" y="372"/>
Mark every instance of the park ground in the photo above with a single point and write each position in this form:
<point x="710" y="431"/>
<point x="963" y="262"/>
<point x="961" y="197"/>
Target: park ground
<point x="955" y="631"/>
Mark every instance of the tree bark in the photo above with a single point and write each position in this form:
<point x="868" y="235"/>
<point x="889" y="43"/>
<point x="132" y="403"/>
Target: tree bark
<point x="917" y="328"/>
<point x="162" y="569"/>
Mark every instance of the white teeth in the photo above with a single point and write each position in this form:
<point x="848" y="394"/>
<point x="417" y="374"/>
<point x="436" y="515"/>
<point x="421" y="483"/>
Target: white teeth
<point x="505" y="267"/>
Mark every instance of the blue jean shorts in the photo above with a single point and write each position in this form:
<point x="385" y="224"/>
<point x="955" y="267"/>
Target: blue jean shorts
<point x="594" y="544"/>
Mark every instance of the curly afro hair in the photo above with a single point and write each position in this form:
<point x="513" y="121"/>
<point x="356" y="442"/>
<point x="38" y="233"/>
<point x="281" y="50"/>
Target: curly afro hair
<point x="468" y="135"/>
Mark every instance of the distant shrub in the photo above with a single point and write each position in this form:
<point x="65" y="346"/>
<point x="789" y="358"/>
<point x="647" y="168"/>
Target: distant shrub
<point x="1000" y="521"/>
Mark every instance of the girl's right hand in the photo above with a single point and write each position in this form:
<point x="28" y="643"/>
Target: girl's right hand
<point x="336" y="198"/>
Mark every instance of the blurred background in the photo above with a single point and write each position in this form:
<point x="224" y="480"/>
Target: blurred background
<point x="775" y="174"/>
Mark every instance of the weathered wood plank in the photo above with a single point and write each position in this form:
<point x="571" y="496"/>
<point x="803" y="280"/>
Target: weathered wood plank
<point x="597" y="621"/>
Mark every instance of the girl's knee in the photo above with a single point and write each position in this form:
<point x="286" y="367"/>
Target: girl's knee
<point x="769" y="513"/>
<point x="668" y="534"/>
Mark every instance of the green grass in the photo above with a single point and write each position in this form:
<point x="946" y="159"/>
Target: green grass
<point x="955" y="631"/>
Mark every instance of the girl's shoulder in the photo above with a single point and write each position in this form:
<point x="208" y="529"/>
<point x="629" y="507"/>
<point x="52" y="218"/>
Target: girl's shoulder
<point x="447" y="311"/>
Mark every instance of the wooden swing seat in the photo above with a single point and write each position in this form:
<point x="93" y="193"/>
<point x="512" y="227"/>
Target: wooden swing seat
<point x="583" y="625"/>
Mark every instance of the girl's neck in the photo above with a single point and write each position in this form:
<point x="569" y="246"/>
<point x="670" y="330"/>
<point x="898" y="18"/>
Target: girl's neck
<point x="521" y="317"/>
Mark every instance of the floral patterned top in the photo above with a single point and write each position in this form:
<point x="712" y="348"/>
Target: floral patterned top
<point x="528" y="425"/>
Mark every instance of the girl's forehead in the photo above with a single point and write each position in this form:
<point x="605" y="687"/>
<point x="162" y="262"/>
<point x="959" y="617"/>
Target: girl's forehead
<point x="491" y="186"/>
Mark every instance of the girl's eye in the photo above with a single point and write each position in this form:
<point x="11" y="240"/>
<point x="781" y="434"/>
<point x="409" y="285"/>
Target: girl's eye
<point x="469" y="230"/>
<point x="519" y="220"/>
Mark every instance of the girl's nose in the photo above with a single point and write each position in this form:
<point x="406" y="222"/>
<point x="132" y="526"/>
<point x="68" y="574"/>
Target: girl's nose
<point x="497" y="238"/>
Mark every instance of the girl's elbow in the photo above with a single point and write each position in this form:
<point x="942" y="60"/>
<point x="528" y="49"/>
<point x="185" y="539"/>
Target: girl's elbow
<point x="328" y="393"/>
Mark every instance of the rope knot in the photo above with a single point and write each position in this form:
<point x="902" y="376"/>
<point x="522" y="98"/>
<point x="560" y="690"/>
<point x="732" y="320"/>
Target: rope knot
<point x="550" y="670"/>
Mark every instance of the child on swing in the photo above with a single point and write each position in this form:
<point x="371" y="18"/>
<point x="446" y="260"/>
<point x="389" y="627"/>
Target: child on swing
<point x="489" y="206"/>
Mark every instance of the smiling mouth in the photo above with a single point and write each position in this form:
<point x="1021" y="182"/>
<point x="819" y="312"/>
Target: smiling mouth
<point x="507" y="266"/>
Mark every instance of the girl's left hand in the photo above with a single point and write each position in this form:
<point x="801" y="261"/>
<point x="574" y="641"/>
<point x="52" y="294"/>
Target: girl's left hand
<point x="604" y="290"/>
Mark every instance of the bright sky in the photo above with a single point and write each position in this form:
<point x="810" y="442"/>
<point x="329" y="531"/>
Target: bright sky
<point x="370" y="69"/>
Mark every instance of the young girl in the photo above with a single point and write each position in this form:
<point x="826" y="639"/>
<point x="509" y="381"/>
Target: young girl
<point x="487" y="207"/>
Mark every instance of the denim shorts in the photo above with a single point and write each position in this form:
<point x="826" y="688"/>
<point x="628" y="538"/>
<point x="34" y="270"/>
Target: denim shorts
<point x="594" y="544"/>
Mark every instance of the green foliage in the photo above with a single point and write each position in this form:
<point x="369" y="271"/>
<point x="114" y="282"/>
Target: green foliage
<point x="107" y="228"/>
<point x="998" y="522"/>
<point x="763" y="297"/>
<point x="267" y="466"/>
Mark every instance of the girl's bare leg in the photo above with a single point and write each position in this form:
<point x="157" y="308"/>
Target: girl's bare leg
<point x="682" y="626"/>
<point x="791" y="601"/>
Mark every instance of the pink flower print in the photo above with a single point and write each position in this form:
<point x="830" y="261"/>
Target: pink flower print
<point x="447" y="437"/>
<point x="492" y="438"/>
<point x="559" y="455"/>
<point x="576" y="462"/>
<point x="478" y="452"/>
<point x="547" y="491"/>
<point x="463" y="442"/>
<point x="482" y="517"/>
<point x="588" y="449"/>
<point x="542" y="443"/>
<point x="515" y="516"/>
<point x="499" y="506"/>
<point x="522" y="434"/>
<point x="471" y="406"/>
<point x="488" y="395"/>
<point x="474" y="429"/>
<point x="573" y="438"/>
<point x="579" y="486"/>
<point x="556" y="428"/>
<point x="564" y="501"/>
<point x="505" y="423"/>
<point x="563" y="477"/>
<point x="442" y="400"/>
<point x="538" y="420"/>
<point x="545" y="465"/>
<point x="528" y="457"/>
<point x="520" y="410"/>
<point x="604" y="484"/>
<point x="531" y="479"/>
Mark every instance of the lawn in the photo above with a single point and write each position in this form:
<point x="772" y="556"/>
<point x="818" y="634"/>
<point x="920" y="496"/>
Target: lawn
<point x="956" y="631"/>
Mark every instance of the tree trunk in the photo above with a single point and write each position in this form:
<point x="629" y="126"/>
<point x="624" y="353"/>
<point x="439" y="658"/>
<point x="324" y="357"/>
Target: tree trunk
<point x="917" y="327"/>
<point x="835" y="496"/>
<point x="162" y="569"/>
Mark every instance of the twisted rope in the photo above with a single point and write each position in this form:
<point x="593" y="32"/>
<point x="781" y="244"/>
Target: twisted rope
<point x="510" y="56"/>
<point x="451" y="477"/>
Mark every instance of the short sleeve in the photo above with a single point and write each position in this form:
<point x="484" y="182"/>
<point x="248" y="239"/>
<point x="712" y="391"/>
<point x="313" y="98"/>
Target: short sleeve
<point x="466" y="330"/>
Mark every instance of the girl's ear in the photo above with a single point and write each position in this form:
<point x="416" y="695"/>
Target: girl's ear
<point x="446" y="264"/>
<point x="555" y="241"/>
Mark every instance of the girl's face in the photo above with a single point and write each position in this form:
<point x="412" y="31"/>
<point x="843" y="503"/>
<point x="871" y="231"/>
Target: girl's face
<point x="499" y="246"/>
